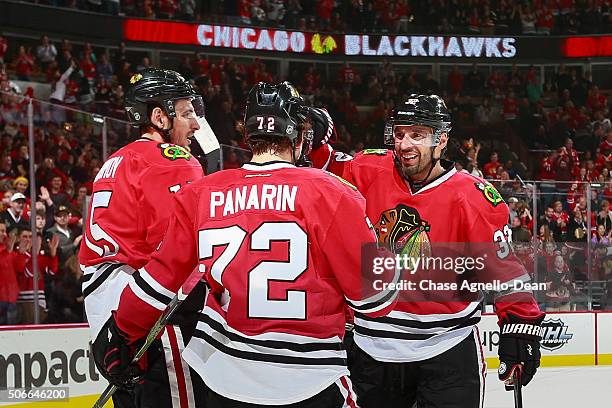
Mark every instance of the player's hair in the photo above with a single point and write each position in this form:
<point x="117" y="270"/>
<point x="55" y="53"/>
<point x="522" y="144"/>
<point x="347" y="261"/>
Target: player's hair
<point x="271" y="144"/>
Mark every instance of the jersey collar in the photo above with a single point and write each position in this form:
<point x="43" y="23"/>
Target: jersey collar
<point x="271" y="165"/>
<point x="449" y="171"/>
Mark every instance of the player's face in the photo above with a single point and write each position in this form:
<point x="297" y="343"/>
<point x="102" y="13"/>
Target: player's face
<point x="185" y="124"/>
<point x="413" y="146"/>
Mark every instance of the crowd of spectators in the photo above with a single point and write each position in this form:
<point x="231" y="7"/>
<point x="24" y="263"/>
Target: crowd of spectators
<point x="568" y="118"/>
<point x="538" y="17"/>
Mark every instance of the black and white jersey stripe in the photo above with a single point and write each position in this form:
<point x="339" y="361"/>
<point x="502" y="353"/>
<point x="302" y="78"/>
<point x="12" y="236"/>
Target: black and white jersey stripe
<point x="378" y="301"/>
<point x="146" y="288"/>
<point x="403" y="336"/>
<point x="270" y="368"/>
<point x="413" y="327"/>
<point x="270" y="347"/>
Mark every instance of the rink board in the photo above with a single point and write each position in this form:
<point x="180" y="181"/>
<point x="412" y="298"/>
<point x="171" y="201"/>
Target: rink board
<point x="49" y="356"/>
<point x="604" y="338"/>
<point x="62" y="351"/>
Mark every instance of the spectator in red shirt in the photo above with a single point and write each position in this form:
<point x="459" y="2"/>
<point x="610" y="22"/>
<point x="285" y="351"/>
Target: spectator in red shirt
<point x="324" y="11"/>
<point x="496" y="80"/>
<point x="391" y="18"/>
<point x="199" y="65"/>
<point x="600" y="161"/>
<point x="595" y="100"/>
<point x="583" y="176"/>
<point x="545" y="20"/>
<point x="490" y="168"/>
<point x="455" y="80"/>
<point x="571" y="197"/>
<point x="88" y="68"/>
<point x="47" y="265"/>
<point x="9" y="288"/>
<point x="547" y="171"/>
<point x="347" y="76"/>
<point x="24" y="64"/>
<point x="510" y="107"/>
<point x="244" y="11"/>
<point x="572" y="153"/>
<point x="216" y="75"/>
<point x="167" y="8"/>
<point x="605" y="147"/>
<point x="560" y="221"/>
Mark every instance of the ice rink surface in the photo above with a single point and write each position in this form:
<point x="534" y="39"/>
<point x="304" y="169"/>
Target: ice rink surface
<point x="557" y="387"/>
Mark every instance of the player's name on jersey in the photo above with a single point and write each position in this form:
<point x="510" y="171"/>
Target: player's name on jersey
<point x="425" y="285"/>
<point x="109" y="169"/>
<point x="278" y="197"/>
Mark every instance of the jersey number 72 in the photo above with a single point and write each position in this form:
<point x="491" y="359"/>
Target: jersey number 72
<point x="259" y="305"/>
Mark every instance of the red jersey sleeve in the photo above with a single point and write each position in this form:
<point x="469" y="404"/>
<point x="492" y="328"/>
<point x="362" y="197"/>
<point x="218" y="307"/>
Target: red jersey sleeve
<point x="338" y="163"/>
<point x="490" y="237"/>
<point x="351" y="233"/>
<point x="155" y="284"/>
<point x="169" y="180"/>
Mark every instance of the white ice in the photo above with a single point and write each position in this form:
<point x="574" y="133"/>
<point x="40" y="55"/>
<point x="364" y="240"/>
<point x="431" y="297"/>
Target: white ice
<point x="557" y="387"/>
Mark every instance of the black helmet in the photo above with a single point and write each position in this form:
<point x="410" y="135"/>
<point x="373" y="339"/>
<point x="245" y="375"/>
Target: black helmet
<point x="424" y="110"/>
<point x="274" y="110"/>
<point x="158" y="87"/>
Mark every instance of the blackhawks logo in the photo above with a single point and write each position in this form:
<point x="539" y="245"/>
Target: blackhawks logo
<point x="323" y="44"/>
<point x="402" y="230"/>
<point x="174" y="152"/>
<point x="135" y="78"/>
<point x="490" y="193"/>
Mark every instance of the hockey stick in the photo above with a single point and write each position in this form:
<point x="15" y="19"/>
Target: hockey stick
<point x="157" y="328"/>
<point x="209" y="144"/>
<point x="518" y="393"/>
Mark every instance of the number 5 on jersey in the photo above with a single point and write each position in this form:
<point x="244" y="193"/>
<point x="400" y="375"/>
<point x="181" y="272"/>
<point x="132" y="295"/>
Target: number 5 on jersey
<point x="100" y="199"/>
<point x="259" y="305"/>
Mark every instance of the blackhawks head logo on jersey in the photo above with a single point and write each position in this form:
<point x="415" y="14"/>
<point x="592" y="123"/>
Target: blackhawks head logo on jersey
<point x="490" y="193"/>
<point x="402" y="230"/>
<point x="173" y="152"/>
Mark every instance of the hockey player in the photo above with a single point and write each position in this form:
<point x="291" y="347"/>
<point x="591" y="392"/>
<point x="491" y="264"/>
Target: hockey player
<point x="429" y="352"/>
<point x="128" y="214"/>
<point x="280" y="248"/>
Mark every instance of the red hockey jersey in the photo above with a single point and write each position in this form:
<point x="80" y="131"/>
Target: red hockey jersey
<point x="281" y="249"/>
<point x="130" y="202"/>
<point x="22" y="262"/>
<point x="455" y="209"/>
<point x="128" y="214"/>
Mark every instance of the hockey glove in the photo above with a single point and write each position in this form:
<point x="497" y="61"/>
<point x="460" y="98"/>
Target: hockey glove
<point x="322" y="127"/>
<point x="519" y="349"/>
<point x="113" y="355"/>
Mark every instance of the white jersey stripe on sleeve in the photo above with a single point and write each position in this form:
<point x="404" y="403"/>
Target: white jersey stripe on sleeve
<point x="145" y="297"/>
<point x="154" y="284"/>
